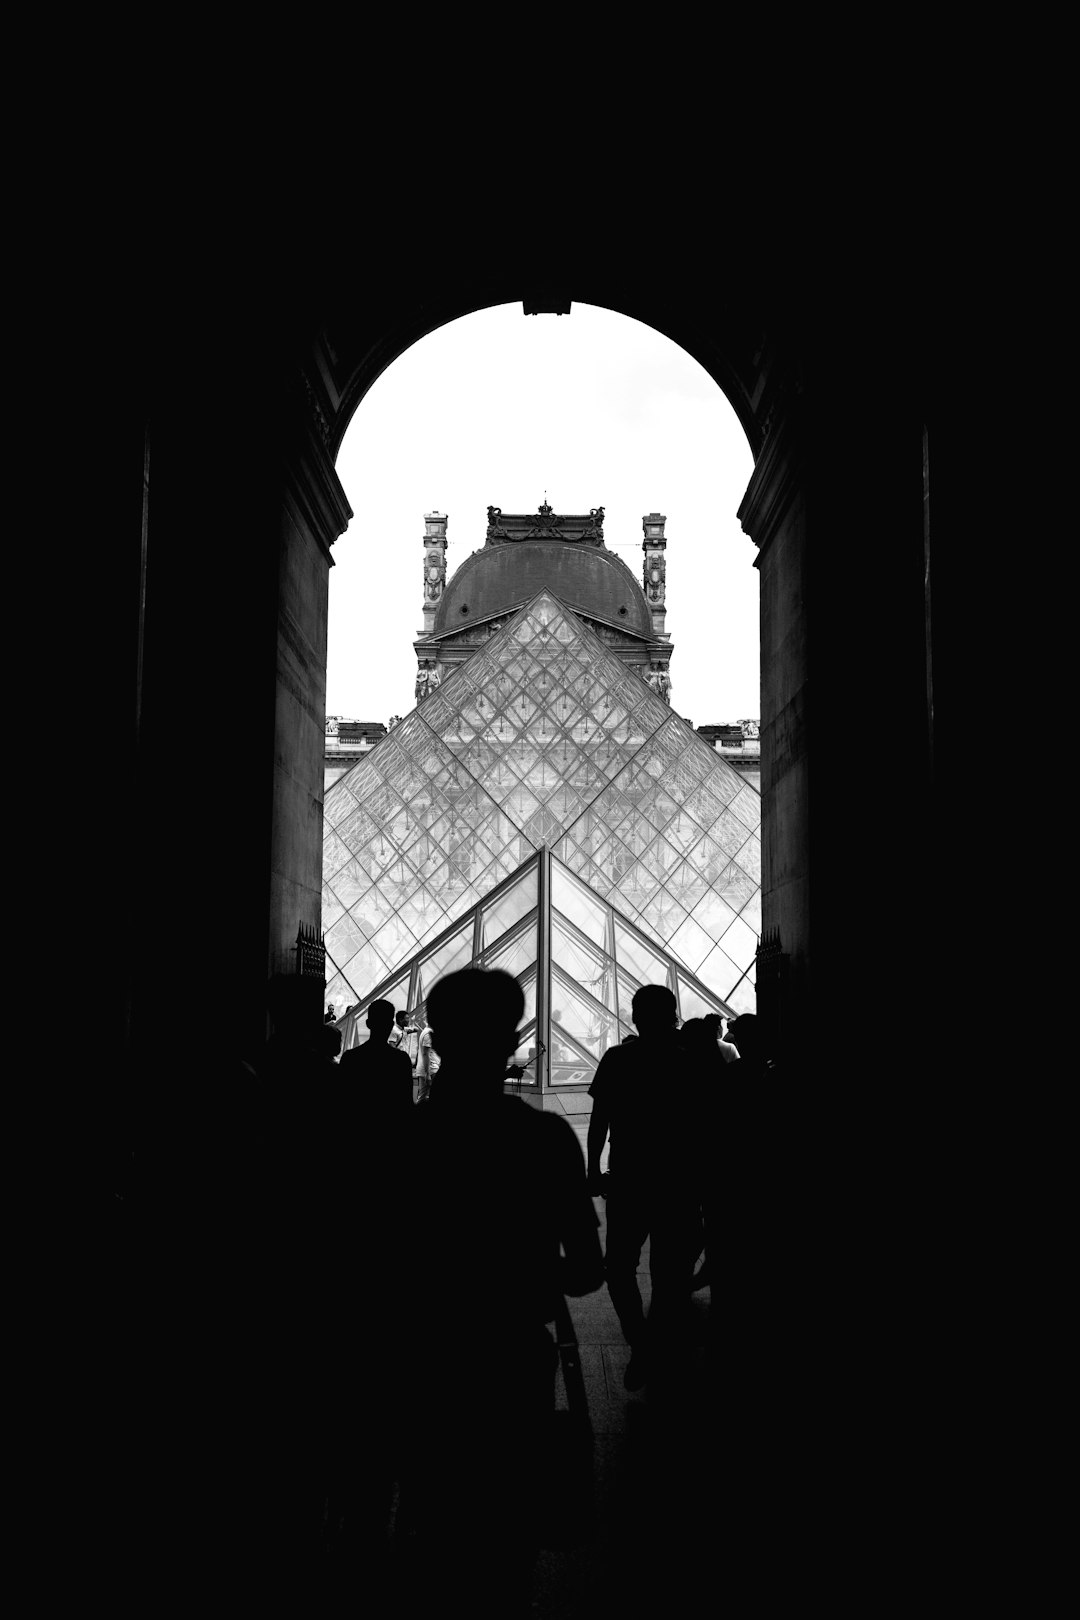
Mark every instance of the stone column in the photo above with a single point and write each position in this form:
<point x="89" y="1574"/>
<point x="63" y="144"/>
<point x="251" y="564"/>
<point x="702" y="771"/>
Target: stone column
<point x="654" y="569"/>
<point x="434" y="565"/>
<point x="773" y="513"/>
<point x="848" y="893"/>
<point x="314" y="513"/>
<point x="223" y="837"/>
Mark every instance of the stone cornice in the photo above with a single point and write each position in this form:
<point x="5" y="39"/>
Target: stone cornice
<point x="315" y="409"/>
<point x="316" y="492"/>
<point x="448" y="637"/>
<point x="775" y="479"/>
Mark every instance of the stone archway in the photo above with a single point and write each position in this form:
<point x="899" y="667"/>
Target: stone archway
<point x="244" y="507"/>
<point x="205" y="827"/>
<point x="761" y="366"/>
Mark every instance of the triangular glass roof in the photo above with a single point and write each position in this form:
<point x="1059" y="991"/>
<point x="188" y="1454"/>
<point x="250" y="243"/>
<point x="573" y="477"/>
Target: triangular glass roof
<point x="577" y="960"/>
<point x="544" y="738"/>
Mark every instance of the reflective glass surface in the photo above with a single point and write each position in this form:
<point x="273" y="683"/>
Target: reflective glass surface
<point x="590" y="986"/>
<point x="509" y="908"/>
<point x="543" y="738"/>
<point x="586" y="966"/>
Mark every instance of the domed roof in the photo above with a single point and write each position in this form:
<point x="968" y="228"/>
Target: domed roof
<point x="588" y="578"/>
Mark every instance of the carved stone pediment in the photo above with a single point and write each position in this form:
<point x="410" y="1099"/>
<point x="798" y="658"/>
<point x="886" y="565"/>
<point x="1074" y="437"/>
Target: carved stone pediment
<point x="545" y="524"/>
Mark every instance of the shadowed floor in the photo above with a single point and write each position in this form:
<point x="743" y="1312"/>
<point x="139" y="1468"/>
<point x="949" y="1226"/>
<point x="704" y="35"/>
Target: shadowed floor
<point x="654" y="1460"/>
<point x="655" y="1473"/>
<point x="652" y="1467"/>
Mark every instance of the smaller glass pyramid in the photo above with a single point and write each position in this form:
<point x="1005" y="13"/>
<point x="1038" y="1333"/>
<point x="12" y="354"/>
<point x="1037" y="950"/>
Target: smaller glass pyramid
<point x="577" y="960"/>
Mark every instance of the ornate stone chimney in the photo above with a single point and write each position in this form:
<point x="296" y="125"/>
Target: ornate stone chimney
<point x="654" y="571"/>
<point x="434" y="565"/>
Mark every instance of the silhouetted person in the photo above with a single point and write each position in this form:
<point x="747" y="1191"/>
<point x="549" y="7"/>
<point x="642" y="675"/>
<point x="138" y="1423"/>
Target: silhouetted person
<point x="362" y="1106"/>
<point x="745" y="1035"/>
<point x="698" y="1038"/>
<point x="496" y="1187"/>
<point x="329" y="1047"/>
<point x="644" y="1097"/>
<point x="381" y="1074"/>
<point x="427" y="1063"/>
<point x="405" y="1036"/>
<point x="288" y="1278"/>
<point x="716" y="1024"/>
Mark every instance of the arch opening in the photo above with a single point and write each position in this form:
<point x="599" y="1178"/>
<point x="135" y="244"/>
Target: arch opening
<point x="490" y="412"/>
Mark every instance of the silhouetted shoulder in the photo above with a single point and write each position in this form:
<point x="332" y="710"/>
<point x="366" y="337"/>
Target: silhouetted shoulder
<point x="616" y="1060"/>
<point x="386" y="1058"/>
<point x="637" y="1060"/>
<point x="531" y="1130"/>
<point x="401" y="1063"/>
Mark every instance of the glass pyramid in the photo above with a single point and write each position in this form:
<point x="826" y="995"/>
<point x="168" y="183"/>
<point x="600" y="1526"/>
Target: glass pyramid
<point x="544" y="740"/>
<point x="577" y="960"/>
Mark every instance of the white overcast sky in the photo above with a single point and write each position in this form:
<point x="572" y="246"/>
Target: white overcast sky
<point x="497" y="408"/>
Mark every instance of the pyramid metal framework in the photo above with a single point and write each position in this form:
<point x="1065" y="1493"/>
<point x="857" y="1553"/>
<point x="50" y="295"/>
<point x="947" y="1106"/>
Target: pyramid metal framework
<point x="544" y="811"/>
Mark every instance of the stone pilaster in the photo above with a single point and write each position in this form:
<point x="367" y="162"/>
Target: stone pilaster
<point x="314" y="512"/>
<point x="654" y="569"/>
<point x="773" y="512"/>
<point x="434" y="565"/>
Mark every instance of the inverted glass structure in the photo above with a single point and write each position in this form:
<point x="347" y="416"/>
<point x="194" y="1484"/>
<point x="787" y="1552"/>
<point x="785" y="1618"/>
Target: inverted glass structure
<point x="545" y="741"/>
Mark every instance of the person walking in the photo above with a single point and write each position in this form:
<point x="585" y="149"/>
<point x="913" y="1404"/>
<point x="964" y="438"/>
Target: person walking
<point x="645" y="1096"/>
<point x="497" y="1225"/>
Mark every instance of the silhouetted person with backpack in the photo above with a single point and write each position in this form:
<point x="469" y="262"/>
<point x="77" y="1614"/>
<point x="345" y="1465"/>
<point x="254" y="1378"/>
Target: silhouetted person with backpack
<point x="496" y="1188"/>
<point x="645" y="1097"/>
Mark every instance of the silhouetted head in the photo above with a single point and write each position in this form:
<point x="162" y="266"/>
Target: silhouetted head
<point x="474" y="1017"/>
<point x="743" y="1032"/>
<point x="380" y="1019"/>
<point x="330" y="1039"/>
<point x="698" y="1037"/>
<point x="653" y="1010"/>
<point x="401" y="1019"/>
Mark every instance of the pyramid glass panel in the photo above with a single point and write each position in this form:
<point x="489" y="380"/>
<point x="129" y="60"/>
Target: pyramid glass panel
<point x="583" y="908"/>
<point x="593" y="970"/>
<point x="516" y="954"/>
<point x="543" y="739"/>
<point x="584" y="983"/>
<point x="508" y="908"/>
<point x="743" y="998"/>
<point x="692" y="1003"/>
<point x="627" y="989"/>
<point x="719" y="972"/>
<point x="449" y="956"/>
<point x="591" y="1026"/>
